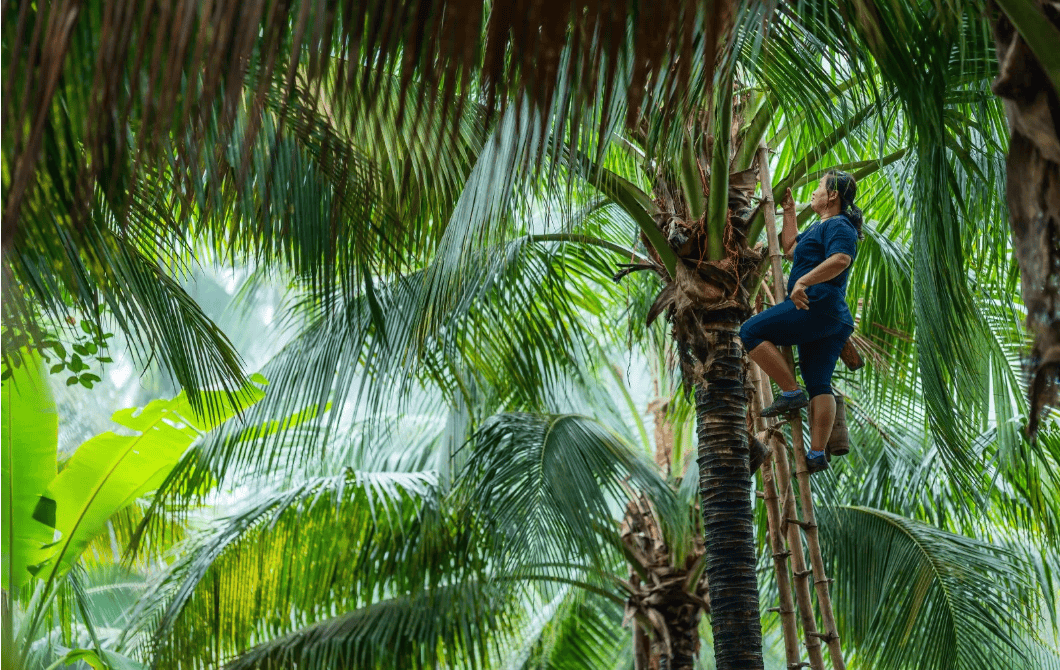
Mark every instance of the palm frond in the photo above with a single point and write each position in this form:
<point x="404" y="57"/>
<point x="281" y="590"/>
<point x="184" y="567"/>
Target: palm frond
<point x="911" y="595"/>
<point x="551" y="488"/>
<point x="496" y="340"/>
<point x="553" y="60"/>
<point x="451" y="624"/>
<point x="277" y="564"/>
<point x="581" y="630"/>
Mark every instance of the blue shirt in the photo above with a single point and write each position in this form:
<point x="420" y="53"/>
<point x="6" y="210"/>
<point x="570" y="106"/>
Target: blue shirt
<point x="821" y="240"/>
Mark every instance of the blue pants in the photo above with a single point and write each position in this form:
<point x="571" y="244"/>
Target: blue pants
<point x="819" y="337"/>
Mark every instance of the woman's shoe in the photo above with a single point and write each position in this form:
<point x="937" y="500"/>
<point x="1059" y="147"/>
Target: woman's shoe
<point x="816" y="463"/>
<point x="785" y="404"/>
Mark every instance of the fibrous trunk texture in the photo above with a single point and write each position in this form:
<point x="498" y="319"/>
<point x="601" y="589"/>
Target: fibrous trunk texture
<point x="673" y="597"/>
<point x="706" y="301"/>
<point x="1033" y="109"/>
<point x="725" y="494"/>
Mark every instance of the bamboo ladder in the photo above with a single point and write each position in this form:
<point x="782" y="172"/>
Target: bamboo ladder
<point x="786" y="529"/>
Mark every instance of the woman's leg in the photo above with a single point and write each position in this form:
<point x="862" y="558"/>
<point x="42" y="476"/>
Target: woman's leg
<point x="822" y="409"/>
<point x="782" y="325"/>
<point x="817" y="361"/>
<point x="774" y="364"/>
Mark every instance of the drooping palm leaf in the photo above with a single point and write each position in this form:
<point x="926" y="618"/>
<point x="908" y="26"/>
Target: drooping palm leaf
<point x="549" y="487"/>
<point x="576" y="630"/>
<point x="448" y="624"/>
<point x="280" y="554"/>
<point x="534" y="288"/>
<point x="901" y="584"/>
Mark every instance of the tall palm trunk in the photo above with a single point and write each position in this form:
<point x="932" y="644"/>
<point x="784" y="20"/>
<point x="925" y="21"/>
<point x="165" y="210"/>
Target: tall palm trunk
<point x="725" y="494"/>
<point x="706" y="302"/>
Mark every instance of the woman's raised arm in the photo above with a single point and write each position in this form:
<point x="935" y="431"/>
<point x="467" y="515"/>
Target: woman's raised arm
<point x="791" y="224"/>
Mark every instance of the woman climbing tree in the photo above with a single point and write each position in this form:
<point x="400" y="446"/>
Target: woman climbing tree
<point x="815" y="315"/>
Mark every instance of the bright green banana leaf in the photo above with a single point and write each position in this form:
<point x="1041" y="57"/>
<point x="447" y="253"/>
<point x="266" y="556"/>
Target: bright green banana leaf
<point x="30" y="437"/>
<point x="110" y="471"/>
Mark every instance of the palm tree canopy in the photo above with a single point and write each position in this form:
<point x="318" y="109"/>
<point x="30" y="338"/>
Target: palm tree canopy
<point x="453" y="242"/>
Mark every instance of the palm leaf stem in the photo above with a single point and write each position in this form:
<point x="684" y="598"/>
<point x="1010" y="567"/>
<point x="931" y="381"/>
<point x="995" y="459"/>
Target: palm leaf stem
<point x="755" y="130"/>
<point x="691" y="179"/>
<point x="637" y="205"/>
<point x="591" y="241"/>
<point x="618" y="600"/>
<point x="718" y="204"/>
<point x="858" y="169"/>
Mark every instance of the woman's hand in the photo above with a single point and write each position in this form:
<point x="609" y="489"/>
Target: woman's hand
<point x="787" y="203"/>
<point x="799" y="297"/>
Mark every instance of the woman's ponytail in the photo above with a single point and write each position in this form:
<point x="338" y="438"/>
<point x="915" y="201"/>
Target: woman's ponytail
<point x="857" y="217"/>
<point x="844" y="184"/>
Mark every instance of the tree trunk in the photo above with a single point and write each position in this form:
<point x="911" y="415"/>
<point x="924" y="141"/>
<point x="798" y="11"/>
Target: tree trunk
<point x="1033" y="109"/>
<point x="725" y="494"/>
<point x="670" y="603"/>
<point x="682" y="618"/>
<point x="706" y="301"/>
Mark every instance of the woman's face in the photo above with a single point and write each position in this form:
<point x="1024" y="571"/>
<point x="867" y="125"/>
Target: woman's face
<point x="822" y="199"/>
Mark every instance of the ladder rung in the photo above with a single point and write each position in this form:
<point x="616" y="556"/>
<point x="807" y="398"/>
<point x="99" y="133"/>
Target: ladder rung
<point x="796" y="666"/>
<point x="782" y="554"/>
<point x="828" y="580"/>
<point x="805" y="525"/>
<point x="827" y="637"/>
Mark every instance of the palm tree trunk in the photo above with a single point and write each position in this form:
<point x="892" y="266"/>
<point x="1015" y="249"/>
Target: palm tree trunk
<point x="725" y="494"/>
<point x="706" y="298"/>
<point x="669" y="603"/>
<point x="683" y="620"/>
<point x="1032" y="105"/>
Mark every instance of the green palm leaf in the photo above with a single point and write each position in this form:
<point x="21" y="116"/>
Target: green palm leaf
<point x="497" y="340"/>
<point x="550" y="488"/>
<point x="445" y="625"/>
<point x="578" y="630"/>
<point x="903" y="585"/>
<point x="281" y="555"/>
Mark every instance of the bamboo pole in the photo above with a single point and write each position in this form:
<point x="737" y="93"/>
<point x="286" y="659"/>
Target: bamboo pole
<point x="809" y="527"/>
<point x="798" y="559"/>
<point x="776" y="536"/>
<point x="790" y="516"/>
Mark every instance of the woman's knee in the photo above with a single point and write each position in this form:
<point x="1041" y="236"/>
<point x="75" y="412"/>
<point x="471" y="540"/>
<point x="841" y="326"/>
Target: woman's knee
<point x="817" y="388"/>
<point x="817" y="360"/>
<point x="816" y="371"/>
<point x="750" y="335"/>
